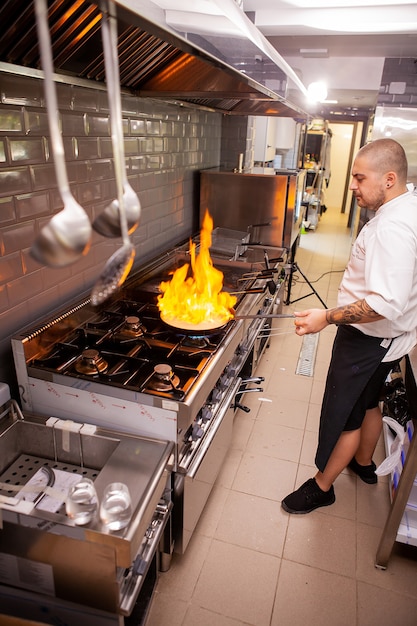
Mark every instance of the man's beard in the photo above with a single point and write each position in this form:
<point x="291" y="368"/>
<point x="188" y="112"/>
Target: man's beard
<point x="373" y="204"/>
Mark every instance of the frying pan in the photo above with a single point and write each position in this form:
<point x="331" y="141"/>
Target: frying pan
<point x="208" y="326"/>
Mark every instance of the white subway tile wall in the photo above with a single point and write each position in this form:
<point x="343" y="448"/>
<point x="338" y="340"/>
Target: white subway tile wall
<point x="166" y="145"/>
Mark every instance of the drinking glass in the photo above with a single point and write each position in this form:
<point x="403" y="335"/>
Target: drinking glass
<point x="116" y="506"/>
<point x="82" y="502"/>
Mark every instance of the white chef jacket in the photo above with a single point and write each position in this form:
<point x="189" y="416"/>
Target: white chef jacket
<point x="383" y="270"/>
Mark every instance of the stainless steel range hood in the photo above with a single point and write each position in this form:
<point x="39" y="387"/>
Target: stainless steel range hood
<point x="156" y="59"/>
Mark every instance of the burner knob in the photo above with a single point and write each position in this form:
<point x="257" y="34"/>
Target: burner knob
<point x="233" y="370"/>
<point x="197" y="433"/>
<point x="206" y="413"/>
<point x="216" y="394"/>
<point x="224" y="381"/>
<point x="242" y="348"/>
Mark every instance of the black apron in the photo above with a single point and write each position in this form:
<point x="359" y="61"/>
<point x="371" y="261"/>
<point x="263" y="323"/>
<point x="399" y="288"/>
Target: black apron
<point x="355" y="358"/>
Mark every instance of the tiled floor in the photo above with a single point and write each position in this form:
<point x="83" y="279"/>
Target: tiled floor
<point x="249" y="562"/>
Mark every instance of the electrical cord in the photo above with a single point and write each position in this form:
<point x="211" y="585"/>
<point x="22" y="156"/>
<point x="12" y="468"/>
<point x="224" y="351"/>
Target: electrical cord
<point x="297" y="280"/>
<point x="320" y="277"/>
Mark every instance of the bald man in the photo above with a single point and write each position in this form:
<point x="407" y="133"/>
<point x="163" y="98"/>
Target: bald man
<point x="376" y="316"/>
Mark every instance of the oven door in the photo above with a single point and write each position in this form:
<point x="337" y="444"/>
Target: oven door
<point x="191" y="490"/>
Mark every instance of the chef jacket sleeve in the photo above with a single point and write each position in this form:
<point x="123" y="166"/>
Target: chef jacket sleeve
<point x="390" y="270"/>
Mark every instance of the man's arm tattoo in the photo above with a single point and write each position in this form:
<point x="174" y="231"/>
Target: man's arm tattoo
<point x="358" y="311"/>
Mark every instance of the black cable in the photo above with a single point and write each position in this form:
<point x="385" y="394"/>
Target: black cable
<point x="320" y="277"/>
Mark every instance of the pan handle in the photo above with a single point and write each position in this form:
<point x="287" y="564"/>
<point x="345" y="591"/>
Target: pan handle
<point x="260" y="316"/>
<point x="254" y="290"/>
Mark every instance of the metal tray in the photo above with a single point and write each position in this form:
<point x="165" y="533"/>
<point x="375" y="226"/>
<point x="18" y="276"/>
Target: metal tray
<point x="229" y="243"/>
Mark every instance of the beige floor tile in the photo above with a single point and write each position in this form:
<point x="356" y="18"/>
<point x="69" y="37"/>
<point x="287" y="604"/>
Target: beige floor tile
<point x="252" y="522"/>
<point x="304" y="472"/>
<point x="264" y="476"/>
<point x="203" y="617"/>
<point x="229" y="469"/>
<point x="345" y="488"/>
<point x="280" y="442"/>
<point x="288" y="384"/>
<point x="239" y="582"/>
<point x="286" y="411"/>
<point x="373" y="503"/>
<point x="308" y="448"/>
<point x="383" y="607"/>
<point x="166" y="610"/>
<point x="401" y="572"/>
<point x="307" y="596"/>
<point x="325" y="345"/>
<point x="317" y="391"/>
<point x="180" y="580"/>
<point x="207" y="524"/>
<point x="313" y="417"/>
<point x="281" y="365"/>
<point x="291" y="345"/>
<point x="320" y="369"/>
<point x="324" y="354"/>
<point x="323" y="541"/>
<point x="242" y="427"/>
<point x="249" y="400"/>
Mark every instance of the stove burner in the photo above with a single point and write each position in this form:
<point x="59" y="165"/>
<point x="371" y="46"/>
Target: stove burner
<point x="196" y="341"/>
<point x="133" y="326"/>
<point x="163" y="378"/>
<point x="91" y="363"/>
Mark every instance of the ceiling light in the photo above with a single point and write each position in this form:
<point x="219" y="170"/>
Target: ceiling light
<point x="397" y="88"/>
<point x="317" y="91"/>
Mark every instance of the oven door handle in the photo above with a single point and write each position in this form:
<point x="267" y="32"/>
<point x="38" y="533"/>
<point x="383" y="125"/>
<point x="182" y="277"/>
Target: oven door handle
<point x="226" y="404"/>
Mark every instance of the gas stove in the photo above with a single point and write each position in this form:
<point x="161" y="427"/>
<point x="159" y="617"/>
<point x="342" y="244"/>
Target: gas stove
<point x="70" y="365"/>
<point x="126" y="345"/>
<point x="119" y="366"/>
<point x="124" y="350"/>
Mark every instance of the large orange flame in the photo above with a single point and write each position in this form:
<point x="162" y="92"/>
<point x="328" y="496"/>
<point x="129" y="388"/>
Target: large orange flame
<point x="197" y="298"/>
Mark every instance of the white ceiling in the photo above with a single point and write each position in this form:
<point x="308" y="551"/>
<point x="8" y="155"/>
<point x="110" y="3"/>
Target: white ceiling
<point x="342" y="42"/>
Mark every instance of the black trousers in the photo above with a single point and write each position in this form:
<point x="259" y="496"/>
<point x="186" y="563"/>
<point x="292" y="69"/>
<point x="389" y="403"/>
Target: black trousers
<point x="356" y="359"/>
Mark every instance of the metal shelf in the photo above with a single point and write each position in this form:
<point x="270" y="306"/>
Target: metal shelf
<point x="407" y="529"/>
<point x="397" y="526"/>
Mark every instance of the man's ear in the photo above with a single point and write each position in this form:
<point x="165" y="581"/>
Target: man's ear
<point x="391" y="179"/>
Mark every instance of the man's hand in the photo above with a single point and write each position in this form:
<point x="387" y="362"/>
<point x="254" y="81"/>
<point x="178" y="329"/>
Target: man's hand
<point x="314" y="320"/>
<point x="310" y="321"/>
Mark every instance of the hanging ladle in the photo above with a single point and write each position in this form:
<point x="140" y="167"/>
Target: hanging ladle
<point x="107" y="223"/>
<point x="120" y="263"/>
<point x="67" y="236"/>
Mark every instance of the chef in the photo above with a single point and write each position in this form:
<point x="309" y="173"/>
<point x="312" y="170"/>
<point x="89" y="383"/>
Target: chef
<point x="376" y="319"/>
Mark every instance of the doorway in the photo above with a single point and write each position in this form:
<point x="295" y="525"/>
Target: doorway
<point x="346" y="137"/>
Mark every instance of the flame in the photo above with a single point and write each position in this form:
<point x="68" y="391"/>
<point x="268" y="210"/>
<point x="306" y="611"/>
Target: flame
<point x="198" y="297"/>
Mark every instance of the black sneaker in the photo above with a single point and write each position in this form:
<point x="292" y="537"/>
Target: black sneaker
<point x="307" y="498"/>
<point x="365" y="472"/>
